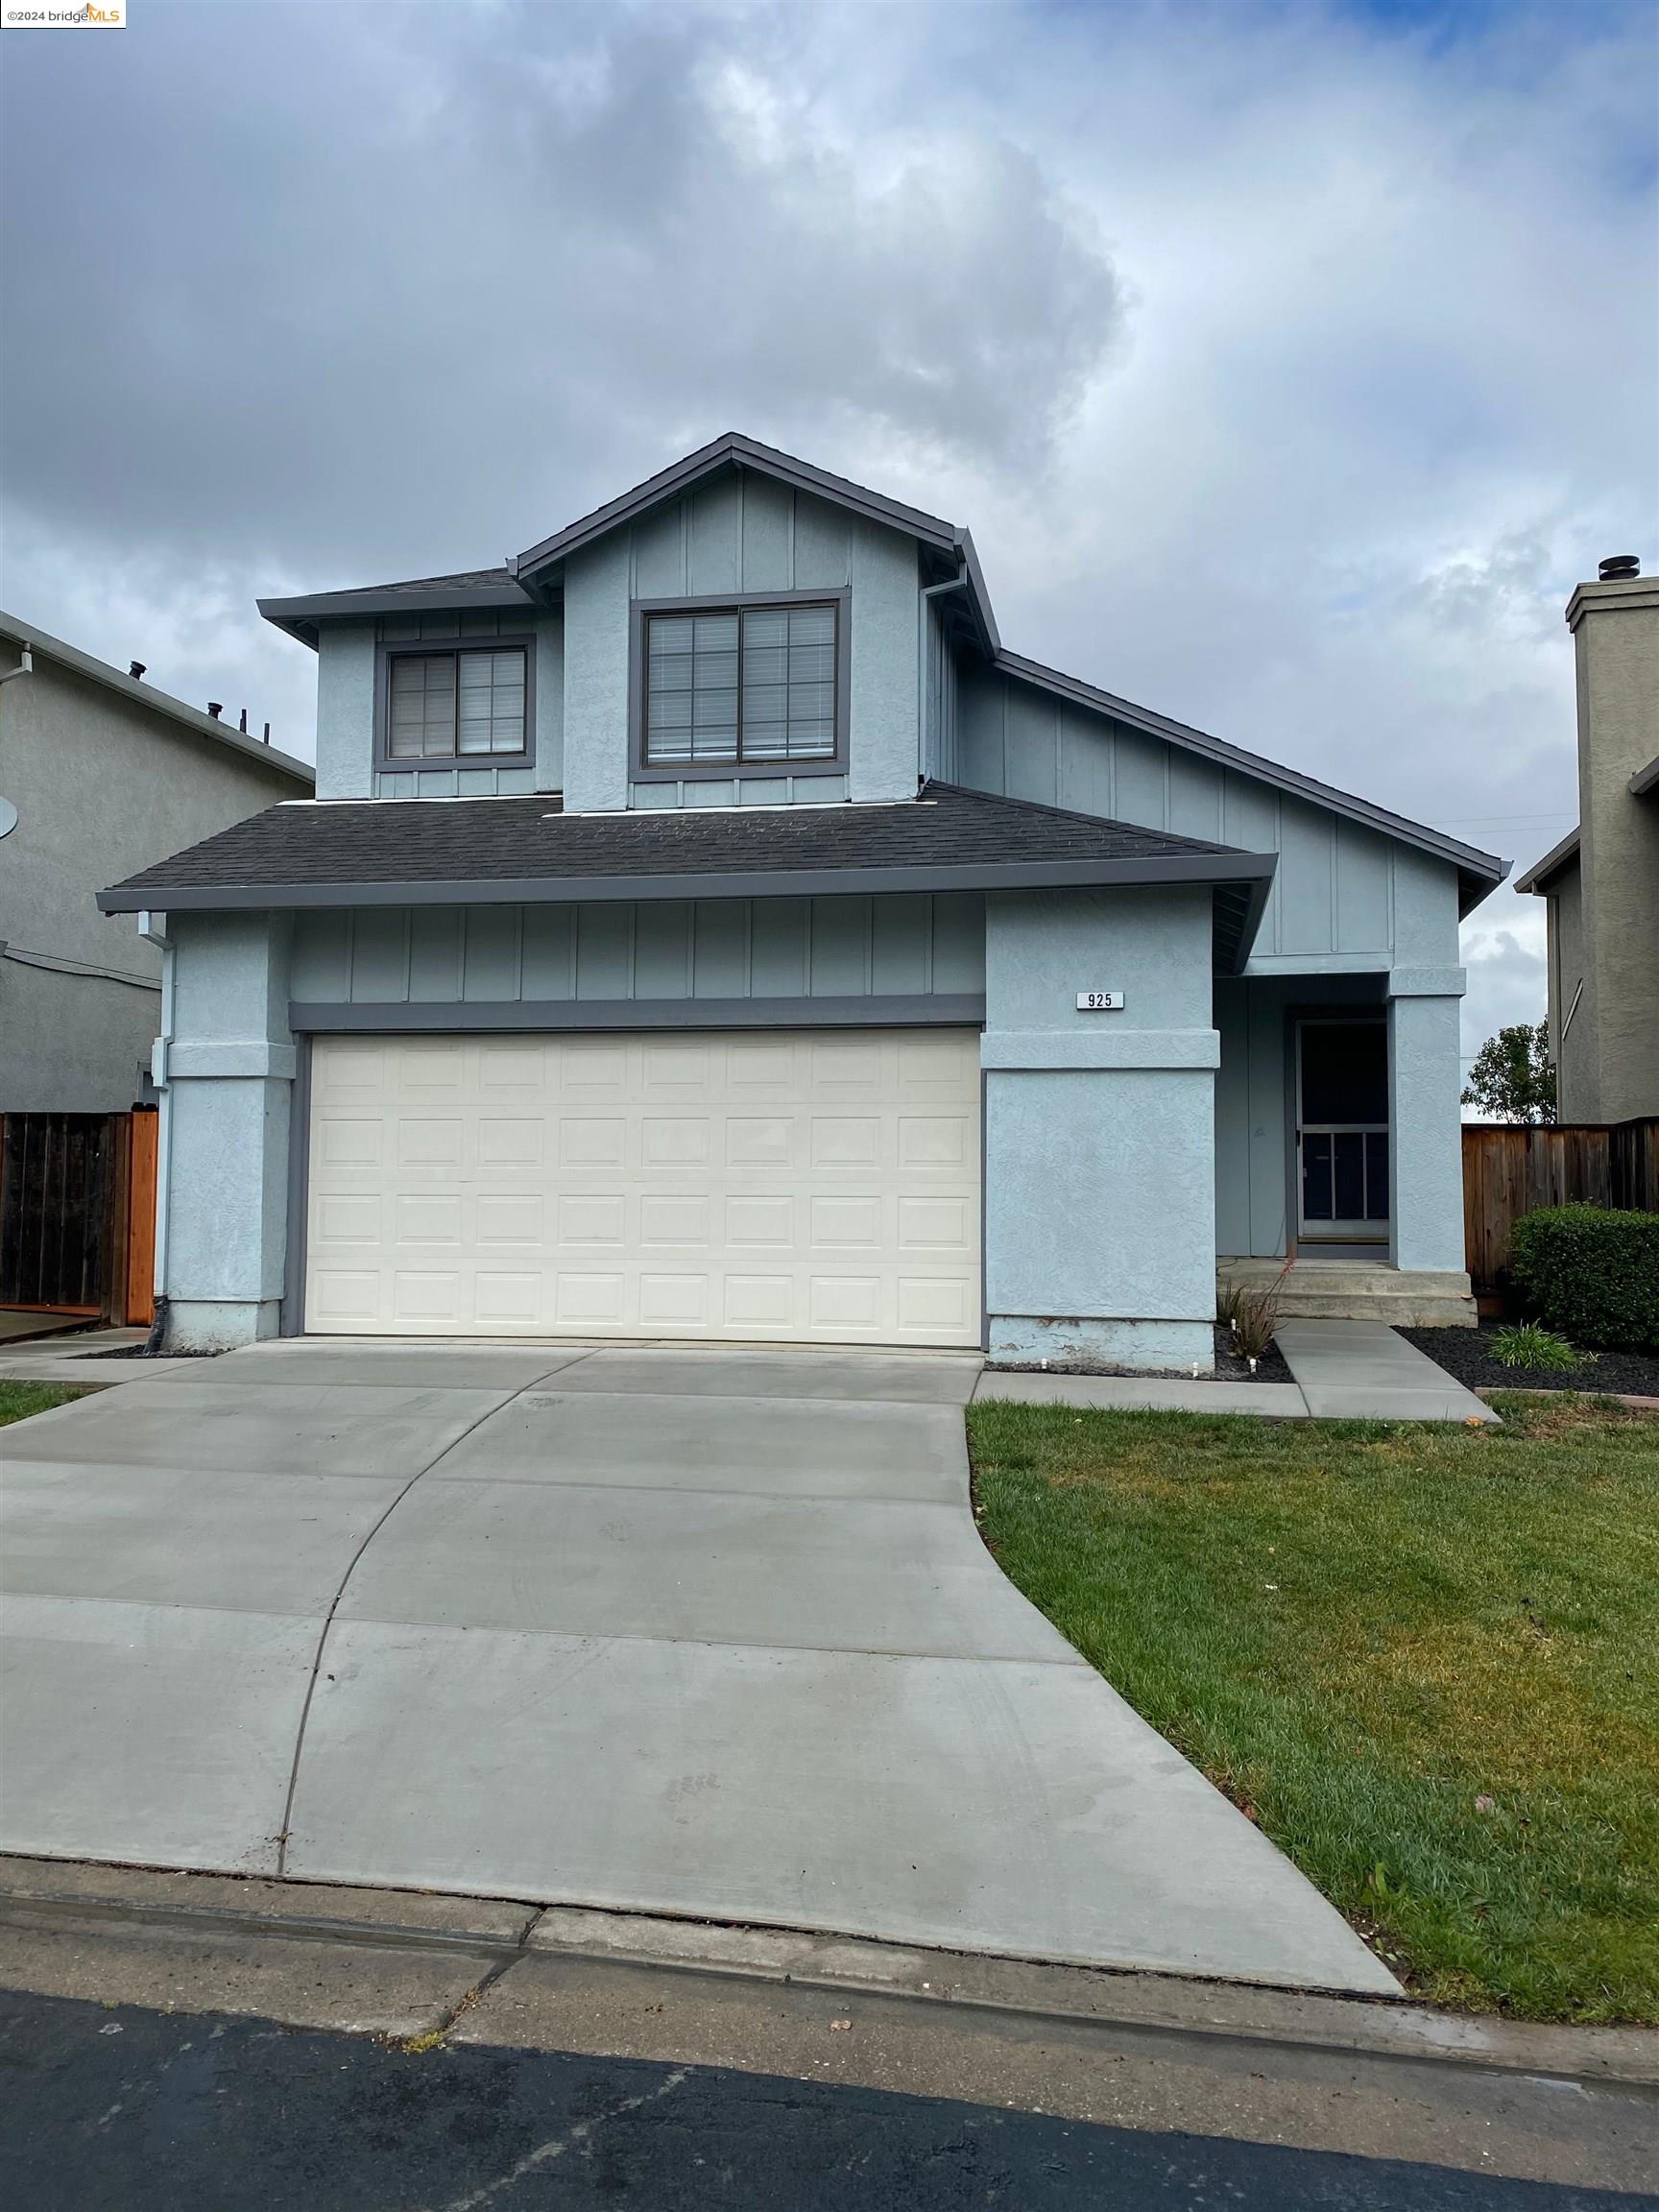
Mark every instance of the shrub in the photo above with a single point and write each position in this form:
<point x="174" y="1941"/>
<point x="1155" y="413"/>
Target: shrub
<point x="1252" y="1315"/>
<point x="1529" y="1345"/>
<point x="1593" y="1274"/>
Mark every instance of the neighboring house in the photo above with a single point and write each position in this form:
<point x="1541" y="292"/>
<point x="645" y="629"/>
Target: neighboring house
<point x="1601" y="883"/>
<point x="104" y="774"/>
<point x="704" y="928"/>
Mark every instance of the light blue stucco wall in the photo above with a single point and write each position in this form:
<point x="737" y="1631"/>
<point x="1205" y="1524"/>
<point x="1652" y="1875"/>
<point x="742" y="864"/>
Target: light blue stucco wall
<point x="908" y="944"/>
<point x="346" y="710"/>
<point x="1426" y="1169"/>
<point x="345" y="677"/>
<point x="1100" y="1131"/>
<point x="742" y="532"/>
<point x="229" y="1079"/>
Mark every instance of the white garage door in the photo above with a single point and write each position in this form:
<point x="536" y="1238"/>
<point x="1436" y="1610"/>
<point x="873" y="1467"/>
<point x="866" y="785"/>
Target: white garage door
<point x="816" y="1186"/>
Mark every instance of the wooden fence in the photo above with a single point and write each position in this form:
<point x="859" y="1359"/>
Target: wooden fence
<point x="77" y="1213"/>
<point x="1511" y="1168"/>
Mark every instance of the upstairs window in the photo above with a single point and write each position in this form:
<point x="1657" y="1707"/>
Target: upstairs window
<point x="741" y="684"/>
<point x="456" y="705"/>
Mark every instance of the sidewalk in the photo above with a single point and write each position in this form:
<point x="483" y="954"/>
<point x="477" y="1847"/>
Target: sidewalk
<point x="1343" y="1370"/>
<point x="67" y="1359"/>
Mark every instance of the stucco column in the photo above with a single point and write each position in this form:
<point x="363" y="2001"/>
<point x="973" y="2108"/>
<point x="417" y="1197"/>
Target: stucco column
<point x="1099" y="1129"/>
<point x="1426" y="1140"/>
<point x="228" y="1074"/>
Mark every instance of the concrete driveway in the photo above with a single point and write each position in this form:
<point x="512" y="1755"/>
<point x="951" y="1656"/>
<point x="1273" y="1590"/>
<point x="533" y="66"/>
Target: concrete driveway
<point x="708" y="1633"/>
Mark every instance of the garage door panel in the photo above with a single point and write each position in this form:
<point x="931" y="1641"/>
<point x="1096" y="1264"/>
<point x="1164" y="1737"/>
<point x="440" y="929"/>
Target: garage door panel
<point x="787" y="1187"/>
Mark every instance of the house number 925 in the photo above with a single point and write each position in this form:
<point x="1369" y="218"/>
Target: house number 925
<point x="1100" y="1001"/>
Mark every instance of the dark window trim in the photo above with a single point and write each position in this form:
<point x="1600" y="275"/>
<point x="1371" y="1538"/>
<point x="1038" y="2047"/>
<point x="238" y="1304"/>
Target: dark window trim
<point x="388" y="650"/>
<point x="643" y="771"/>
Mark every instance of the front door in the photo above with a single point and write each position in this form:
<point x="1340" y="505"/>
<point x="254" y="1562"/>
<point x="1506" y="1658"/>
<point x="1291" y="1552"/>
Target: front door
<point x="1342" y="1131"/>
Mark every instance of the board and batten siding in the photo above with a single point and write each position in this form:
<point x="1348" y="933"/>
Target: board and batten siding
<point x="907" y="944"/>
<point x="346" y="659"/>
<point x="1341" y="889"/>
<point x="742" y="532"/>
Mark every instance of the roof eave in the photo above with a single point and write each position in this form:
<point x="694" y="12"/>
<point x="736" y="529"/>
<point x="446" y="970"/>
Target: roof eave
<point x="300" y="618"/>
<point x="1255" y="869"/>
<point x="1537" y="877"/>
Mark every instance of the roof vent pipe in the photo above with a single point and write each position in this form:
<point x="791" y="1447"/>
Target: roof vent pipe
<point x="215" y="707"/>
<point x="242" y="721"/>
<point x="267" y="732"/>
<point x="1618" y="565"/>
<point x="135" y="669"/>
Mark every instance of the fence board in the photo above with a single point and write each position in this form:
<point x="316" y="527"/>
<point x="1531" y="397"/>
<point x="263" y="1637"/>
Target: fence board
<point x="142" y="1219"/>
<point x="1511" y="1168"/>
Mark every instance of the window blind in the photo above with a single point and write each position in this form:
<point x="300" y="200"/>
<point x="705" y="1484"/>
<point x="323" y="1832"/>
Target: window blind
<point x="755" y="683"/>
<point x="442" y="706"/>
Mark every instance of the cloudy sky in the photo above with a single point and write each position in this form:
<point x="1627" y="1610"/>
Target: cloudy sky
<point x="1291" y="359"/>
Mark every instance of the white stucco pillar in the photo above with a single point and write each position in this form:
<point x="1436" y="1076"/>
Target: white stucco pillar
<point x="1099" y="1129"/>
<point x="1425" y="1140"/>
<point x="228" y="1074"/>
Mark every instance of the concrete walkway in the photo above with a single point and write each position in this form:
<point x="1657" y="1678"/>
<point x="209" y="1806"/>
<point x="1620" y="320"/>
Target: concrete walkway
<point x="1343" y="1370"/>
<point x="709" y="1634"/>
<point x="1365" y="1371"/>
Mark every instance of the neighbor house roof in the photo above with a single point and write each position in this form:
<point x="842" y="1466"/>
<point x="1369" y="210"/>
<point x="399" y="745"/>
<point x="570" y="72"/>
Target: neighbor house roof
<point x="533" y="577"/>
<point x="1540" y="875"/>
<point x="187" y="717"/>
<point x="387" y="852"/>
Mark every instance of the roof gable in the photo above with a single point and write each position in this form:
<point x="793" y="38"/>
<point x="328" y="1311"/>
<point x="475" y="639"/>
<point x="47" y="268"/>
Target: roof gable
<point x="734" y="449"/>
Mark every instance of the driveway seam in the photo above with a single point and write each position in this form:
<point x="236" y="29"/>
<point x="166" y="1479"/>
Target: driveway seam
<point x="1073" y="1660"/>
<point x="334" y="1607"/>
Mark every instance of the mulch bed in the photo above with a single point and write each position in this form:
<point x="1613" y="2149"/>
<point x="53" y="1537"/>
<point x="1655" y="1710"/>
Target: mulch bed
<point x="141" y="1352"/>
<point x="1228" y="1366"/>
<point x="1467" y="1353"/>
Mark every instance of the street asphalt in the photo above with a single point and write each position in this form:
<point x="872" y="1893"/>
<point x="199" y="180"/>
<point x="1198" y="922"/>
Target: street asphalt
<point x="120" y="2110"/>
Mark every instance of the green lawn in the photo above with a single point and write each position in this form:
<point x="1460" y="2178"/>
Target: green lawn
<point x="1425" y="1659"/>
<point x="18" y="1400"/>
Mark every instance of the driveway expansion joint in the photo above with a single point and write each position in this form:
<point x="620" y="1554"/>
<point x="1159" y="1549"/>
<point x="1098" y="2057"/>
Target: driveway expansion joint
<point x="287" y="1828"/>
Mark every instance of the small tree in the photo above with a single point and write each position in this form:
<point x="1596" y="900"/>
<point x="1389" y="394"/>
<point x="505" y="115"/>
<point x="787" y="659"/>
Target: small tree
<point x="1513" y="1078"/>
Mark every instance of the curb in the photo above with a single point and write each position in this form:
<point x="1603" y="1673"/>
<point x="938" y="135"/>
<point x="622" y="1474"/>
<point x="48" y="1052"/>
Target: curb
<point x="63" y="1896"/>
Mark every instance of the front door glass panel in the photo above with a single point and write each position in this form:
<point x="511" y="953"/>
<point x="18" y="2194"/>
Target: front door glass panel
<point x="1343" y="1128"/>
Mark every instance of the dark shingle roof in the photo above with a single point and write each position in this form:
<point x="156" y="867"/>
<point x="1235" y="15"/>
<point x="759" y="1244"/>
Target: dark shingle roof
<point x="353" y="853"/>
<point x="460" y="581"/>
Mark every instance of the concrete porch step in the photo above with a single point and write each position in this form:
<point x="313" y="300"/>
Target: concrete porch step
<point x="1358" y="1290"/>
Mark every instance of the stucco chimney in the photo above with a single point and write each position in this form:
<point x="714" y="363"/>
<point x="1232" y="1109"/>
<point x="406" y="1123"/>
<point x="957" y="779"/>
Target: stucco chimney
<point x="1615" y="626"/>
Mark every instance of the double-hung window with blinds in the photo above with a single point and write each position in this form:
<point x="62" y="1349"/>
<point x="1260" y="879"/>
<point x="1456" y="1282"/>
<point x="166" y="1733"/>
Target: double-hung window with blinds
<point x="456" y="705"/>
<point x="740" y="684"/>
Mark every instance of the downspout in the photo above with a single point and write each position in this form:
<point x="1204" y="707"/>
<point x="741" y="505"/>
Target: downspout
<point x="161" y="1075"/>
<point x="929" y="591"/>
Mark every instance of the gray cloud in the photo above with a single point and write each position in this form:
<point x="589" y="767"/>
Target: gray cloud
<point x="336" y="283"/>
<point x="1289" y="369"/>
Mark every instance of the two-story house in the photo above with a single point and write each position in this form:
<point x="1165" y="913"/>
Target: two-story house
<point x="704" y="928"/>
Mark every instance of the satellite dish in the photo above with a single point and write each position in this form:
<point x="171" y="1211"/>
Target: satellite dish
<point x="8" y="817"/>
